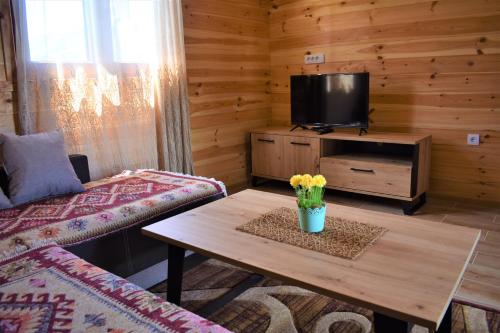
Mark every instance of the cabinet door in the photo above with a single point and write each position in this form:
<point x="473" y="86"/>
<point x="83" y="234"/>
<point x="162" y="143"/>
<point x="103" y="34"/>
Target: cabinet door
<point x="267" y="153"/>
<point x="301" y="155"/>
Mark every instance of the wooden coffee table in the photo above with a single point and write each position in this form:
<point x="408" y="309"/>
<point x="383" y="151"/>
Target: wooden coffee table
<point x="408" y="276"/>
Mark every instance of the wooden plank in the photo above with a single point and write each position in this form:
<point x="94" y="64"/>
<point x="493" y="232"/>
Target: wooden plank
<point x="227" y="52"/>
<point x="7" y="41"/>
<point x="237" y="26"/>
<point x="330" y="20"/>
<point x="8" y="111"/>
<point x="247" y="11"/>
<point x="414" y="30"/>
<point x="452" y="83"/>
<point x="381" y="279"/>
<point x="472" y="63"/>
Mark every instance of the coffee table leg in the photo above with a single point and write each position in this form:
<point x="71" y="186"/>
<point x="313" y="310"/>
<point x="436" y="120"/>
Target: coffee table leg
<point x="175" y="270"/>
<point x="445" y="326"/>
<point x="385" y="324"/>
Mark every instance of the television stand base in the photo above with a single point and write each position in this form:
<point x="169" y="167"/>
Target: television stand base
<point x="323" y="130"/>
<point x="318" y="129"/>
<point x="298" y="126"/>
<point x="363" y="130"/>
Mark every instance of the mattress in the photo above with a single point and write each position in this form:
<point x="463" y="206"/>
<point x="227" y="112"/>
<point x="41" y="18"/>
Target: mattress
<point x="107" y="205"/>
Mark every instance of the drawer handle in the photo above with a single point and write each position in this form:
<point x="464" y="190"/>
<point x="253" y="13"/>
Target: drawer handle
<point x="300" y="143"/>
<point x="363" y="170"/>
<point x="265" y="140"/>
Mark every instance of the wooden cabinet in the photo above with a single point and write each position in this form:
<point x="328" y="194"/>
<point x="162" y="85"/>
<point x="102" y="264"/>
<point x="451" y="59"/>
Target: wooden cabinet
<point x="300" y="155"/>
<point x="392" y="165"/>
<point x="267" y="155"/>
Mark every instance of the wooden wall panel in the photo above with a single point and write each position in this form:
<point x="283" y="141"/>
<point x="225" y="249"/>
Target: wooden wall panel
<point x="435" y="68"/>
<point x="434" y="65"/>
<point x="7" y="109"/>
<point x="228" y="65"/>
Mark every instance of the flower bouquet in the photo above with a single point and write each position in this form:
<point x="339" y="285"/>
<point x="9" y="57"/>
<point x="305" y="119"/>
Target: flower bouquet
<point x="311" y="207"/>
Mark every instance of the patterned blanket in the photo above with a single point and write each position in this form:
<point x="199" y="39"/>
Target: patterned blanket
<point x="107" y="205"/>
<point x="48" y="289"/>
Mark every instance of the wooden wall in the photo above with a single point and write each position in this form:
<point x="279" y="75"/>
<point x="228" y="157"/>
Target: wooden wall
<point x="435" y="69"/>
<point x="7" y="116"/>
<point x="434" y="65"/>
<point x="227" y="51"/>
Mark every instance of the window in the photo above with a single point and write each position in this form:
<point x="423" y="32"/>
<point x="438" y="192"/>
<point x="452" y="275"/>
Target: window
<point x="56" y="31"/>
<point x="79" y="31"/>
<point x="134" y="33"/>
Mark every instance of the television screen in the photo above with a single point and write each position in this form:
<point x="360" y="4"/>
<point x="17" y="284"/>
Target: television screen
<point x="330" y="100"/>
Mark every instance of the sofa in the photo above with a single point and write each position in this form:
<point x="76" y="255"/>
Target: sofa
<point x="102" y="225"/>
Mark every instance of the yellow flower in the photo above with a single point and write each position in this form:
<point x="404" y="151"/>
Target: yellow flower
<point x="319" y="181"/>
<point x="295" y="180"/>
<point x="306" y="181"/>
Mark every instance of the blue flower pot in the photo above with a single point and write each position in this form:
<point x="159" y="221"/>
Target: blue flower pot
<point x="312" y="219"/>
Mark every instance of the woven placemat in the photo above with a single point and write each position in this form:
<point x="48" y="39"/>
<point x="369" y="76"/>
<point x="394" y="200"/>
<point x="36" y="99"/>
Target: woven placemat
<point x="341" y="237"/>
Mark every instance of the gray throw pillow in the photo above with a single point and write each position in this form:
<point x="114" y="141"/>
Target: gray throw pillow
<point x="38" y="166"/>
<point x="4" y="201"/>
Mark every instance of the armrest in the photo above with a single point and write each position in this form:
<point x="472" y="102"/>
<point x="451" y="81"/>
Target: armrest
<point x="4" y="181"/>
<point x="81" y="165"/>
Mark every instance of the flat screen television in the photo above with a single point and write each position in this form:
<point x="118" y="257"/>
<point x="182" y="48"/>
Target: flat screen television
<point x="330" y="100"/>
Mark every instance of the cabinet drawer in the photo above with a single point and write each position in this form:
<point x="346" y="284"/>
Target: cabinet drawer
<point x="377" y="175"/>
<point x="267" y="152"/>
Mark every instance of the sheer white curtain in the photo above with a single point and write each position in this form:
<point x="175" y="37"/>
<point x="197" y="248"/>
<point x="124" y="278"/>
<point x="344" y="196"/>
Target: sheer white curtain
<point x="111" y="75"/>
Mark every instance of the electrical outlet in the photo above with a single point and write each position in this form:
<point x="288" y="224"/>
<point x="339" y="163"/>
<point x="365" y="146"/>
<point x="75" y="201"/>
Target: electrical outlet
<point x="318" y="58"/>
<point x="473" y="139"/>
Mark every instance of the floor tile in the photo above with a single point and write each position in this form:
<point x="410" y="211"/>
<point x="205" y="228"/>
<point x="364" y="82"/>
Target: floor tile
<point x="489" y="248"/>
<point x="483" y="274"/>
<point x="487" y="260"/>
<point x="481" y="294"/>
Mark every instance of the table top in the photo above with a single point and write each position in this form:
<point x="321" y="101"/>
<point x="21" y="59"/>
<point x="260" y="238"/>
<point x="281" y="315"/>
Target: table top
<point x="411" y="273"/>
<point x="348" y="134"/>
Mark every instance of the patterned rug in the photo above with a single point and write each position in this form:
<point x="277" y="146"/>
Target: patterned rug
<point x="273" y="307"/>
<point x="106" y="205"/>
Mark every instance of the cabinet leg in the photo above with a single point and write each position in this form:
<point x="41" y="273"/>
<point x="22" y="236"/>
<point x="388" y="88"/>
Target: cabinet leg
<point x="423" y="199"/>
<point x="409" y="208"/>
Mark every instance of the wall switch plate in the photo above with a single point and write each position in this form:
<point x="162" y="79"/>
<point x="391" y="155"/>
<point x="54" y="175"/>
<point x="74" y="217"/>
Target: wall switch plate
<point x="473" y="139"/>
<point x="318" y="58"/>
